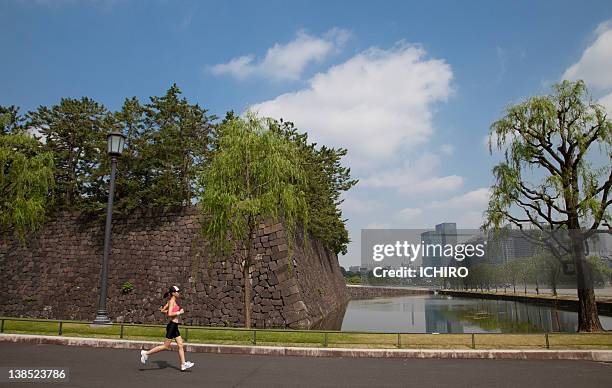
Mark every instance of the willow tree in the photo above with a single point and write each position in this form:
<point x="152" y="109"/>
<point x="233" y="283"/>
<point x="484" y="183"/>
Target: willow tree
<point x="254" y="174"/>
<point x="26" y="179"/>
<point x="556" y="176"/>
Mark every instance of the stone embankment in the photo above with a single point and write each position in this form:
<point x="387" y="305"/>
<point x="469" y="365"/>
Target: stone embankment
<point x="564" y="302"/>
<point x="56" y="273"/>
<point x="370" y="292"/>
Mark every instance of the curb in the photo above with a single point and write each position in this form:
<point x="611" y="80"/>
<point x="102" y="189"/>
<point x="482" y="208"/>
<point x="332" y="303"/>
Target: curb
<point x="583" y="355"/>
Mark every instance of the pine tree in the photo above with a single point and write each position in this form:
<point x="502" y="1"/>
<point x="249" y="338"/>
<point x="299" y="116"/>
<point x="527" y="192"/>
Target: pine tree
<point x="75" y="132"/>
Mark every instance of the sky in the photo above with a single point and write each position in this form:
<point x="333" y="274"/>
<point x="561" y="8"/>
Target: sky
<point x="409" y="88"/>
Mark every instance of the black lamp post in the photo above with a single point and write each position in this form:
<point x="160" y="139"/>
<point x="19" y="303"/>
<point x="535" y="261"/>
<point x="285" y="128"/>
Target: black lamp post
<point x="114" y="141"/>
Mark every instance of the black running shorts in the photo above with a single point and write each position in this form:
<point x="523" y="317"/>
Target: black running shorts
<point x="172" y="330"/>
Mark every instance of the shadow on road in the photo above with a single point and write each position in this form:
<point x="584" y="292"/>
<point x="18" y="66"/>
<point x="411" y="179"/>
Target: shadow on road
<point x="161" y="364"/>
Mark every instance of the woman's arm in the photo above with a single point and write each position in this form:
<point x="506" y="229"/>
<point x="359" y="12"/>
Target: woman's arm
<point x="164" y="308"/>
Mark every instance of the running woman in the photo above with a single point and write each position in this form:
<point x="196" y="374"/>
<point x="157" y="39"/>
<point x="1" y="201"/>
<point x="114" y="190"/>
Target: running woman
<point x="173" y="310"/>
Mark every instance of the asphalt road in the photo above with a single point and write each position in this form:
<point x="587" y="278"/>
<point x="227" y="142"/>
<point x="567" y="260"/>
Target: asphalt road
<point x="91" y="367"/>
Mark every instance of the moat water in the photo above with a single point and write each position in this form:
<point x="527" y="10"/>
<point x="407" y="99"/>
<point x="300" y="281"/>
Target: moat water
<point x="446" y="314"/>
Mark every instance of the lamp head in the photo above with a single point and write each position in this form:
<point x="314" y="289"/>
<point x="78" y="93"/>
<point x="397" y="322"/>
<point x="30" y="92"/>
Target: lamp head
<point x="114" y="142"/>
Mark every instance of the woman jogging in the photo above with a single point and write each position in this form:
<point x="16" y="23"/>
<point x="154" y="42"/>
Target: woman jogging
<point x="173" y="310"/>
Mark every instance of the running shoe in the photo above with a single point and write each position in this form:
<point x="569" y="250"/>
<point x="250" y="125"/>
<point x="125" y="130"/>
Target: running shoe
<point x="186" y="365"/>
<point x="143" y="356"/>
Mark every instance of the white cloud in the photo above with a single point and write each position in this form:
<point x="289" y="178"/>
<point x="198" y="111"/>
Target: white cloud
<point x="475" y="199"/>
<point x="595" y="64"/>
<point x="485" y="142"/>
<point x="355" y="205"/>
<point x="410" y="213"/>
<point x="378" y="225"/>
<point x="37" y="133"/>
<point x="414" y="177"/>
<point x="596" y="61"/>
<point x="469" y="219"/>
<point x="374" y="104"/>
<point x="493" y="137"/>
<point x="285" y="61"/>
<point x="447" y="149"/>
<point x="465" y="209"/>
<point x="502" y="57"/>
<point x="606" y="101"/>
<point x="406" y="182"/>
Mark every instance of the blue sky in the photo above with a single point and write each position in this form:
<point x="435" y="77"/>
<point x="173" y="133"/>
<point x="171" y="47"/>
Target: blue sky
<point x="410" y="88"/>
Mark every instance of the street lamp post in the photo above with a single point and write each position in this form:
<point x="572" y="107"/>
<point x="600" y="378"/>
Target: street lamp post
<point x="114" y="141"/>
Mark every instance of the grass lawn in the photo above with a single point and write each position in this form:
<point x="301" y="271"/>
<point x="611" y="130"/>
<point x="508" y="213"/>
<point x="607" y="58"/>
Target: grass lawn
<point x="233" y="336"/>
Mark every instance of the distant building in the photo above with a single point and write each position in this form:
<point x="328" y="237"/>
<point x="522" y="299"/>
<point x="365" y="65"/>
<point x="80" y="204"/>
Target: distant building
<point x="431" y="238"/>
<point x="448" y="231"/>
<point x="509" y="244"/>
<point x="445" y="233"/>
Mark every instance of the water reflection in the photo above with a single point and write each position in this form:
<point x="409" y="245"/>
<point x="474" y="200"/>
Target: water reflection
<point x="445" y="314"/>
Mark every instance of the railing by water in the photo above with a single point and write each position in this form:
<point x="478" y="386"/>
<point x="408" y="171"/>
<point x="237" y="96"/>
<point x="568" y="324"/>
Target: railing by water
<point x="311" y="338"/>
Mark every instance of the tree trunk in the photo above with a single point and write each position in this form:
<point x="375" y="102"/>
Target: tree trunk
<point x="247" y="294"/>
<point x="247" y="281"/>
<point x="588" y="319"/>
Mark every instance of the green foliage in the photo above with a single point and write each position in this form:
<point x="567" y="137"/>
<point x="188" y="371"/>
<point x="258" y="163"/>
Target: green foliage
<point x="74" y="131"/>
<point x="10" y="120"/>
<point x="126" y="288"/>
<point x="26" y="179"/>
<point x="483" y="275"/>
<point x="326" y="179"/>
<point x="602" y="273"/>
<point x="543" y="267"/>
<point x="255" y="174"/>
<point x="168" y="142"/>
<point x="133" y="170"/>
<point x="549" y="267"/>
<point x="546" y="173"/>
<point x="175" y="146"/>
<point x="549" y="177"/>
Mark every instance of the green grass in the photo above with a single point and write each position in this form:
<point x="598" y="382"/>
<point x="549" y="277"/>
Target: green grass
<point x="201" y="334"/>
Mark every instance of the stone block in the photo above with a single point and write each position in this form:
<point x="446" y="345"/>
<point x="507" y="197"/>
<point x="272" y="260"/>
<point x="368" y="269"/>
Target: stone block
<point x="291" y="299"/>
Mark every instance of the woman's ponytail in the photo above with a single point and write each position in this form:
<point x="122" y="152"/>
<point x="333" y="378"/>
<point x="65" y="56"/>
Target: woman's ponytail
<point x="170" y="291"/>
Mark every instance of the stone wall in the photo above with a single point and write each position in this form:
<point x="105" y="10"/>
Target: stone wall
<point x="562" y="302"/>
<point x="56" y="273"/>
<point x="369" y="292"/>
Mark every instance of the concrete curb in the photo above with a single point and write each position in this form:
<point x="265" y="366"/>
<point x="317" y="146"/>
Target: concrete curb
<point x="584" y="355"/>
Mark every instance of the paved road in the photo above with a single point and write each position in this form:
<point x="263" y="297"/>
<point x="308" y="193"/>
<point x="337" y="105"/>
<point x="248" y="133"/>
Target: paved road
<point x="90" y="367"/>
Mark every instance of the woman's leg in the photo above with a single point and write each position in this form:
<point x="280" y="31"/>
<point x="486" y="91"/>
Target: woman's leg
<point x="181" y="350"/>
<point x="165" y="346"/>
